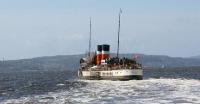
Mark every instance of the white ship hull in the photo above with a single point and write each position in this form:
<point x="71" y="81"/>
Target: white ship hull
<point x="120" y="74"/>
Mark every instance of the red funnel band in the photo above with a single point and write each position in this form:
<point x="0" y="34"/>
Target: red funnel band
<point x="98" y="58"/>
<point x="105" y="55"/>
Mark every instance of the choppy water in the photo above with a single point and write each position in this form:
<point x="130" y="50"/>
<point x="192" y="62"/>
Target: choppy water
<point x="159" y="86"/>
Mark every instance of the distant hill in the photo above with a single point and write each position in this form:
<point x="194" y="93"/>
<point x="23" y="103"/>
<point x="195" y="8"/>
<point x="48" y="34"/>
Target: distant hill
<point x="60" y="62"/>
<point x="158" y="61"/>
<point x="162" y="60"/>
<point x="71" y="62"/>
<point x="196" y="57"/>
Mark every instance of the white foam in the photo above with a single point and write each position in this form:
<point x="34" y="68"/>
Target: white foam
<point x="60" y="84"/>
<point x="151" y="91"/>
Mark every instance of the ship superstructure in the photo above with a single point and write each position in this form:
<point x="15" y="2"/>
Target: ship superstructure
<point x="100" y="66"/>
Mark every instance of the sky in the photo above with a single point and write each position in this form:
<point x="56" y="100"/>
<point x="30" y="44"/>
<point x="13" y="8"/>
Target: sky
<point x="34" y="28"/>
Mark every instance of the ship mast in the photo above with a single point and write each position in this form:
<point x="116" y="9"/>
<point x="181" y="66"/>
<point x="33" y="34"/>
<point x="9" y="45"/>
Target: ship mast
<point x="120" y="11"/>
<point x="90" y="39"/>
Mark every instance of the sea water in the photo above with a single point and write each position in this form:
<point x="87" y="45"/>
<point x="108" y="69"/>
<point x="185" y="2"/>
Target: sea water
<point x="158" y="87"/>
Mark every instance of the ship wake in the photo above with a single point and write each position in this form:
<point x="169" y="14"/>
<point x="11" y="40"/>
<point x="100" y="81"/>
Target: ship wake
<point x="149" y="91"/>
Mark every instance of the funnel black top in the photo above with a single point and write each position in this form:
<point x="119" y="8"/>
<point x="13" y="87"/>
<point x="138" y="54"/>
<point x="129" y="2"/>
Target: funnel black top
<point x="105" y="47"/>
<point x="99" y="48"/>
